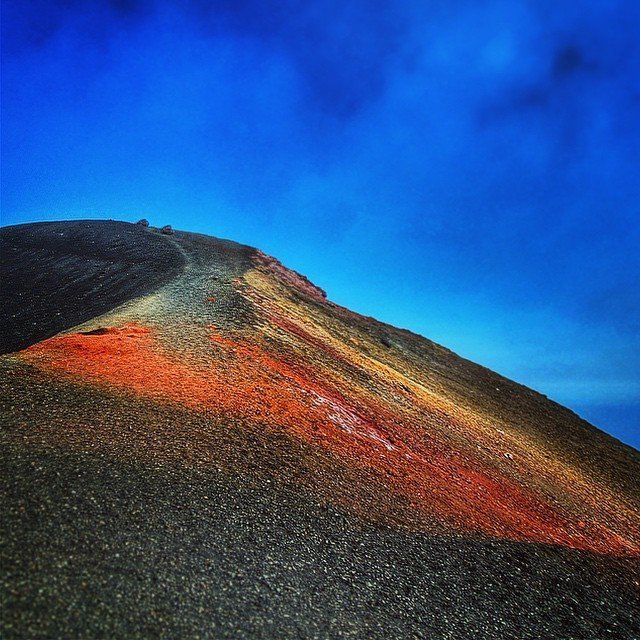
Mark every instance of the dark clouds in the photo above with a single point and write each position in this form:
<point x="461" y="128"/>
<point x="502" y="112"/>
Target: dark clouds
<point x="340" y="49"/>
<point x="475" y="163"/>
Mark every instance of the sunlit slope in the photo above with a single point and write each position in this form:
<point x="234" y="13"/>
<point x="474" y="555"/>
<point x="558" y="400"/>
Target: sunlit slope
<point x="230" y="364"/>
<point x="444" y="443"/>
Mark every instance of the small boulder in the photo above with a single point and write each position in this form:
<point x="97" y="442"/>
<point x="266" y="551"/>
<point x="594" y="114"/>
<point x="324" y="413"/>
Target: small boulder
<point x="143" y="223"/>
<point x="167" y="230"/>
<point x="386" y="342"/>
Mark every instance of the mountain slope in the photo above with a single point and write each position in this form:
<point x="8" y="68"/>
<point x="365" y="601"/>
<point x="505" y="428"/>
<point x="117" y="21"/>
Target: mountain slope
<point x="221" y="449"/>
<point x="56" y="275"/>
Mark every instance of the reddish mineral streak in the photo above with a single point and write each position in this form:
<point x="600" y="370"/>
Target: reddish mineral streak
<point x="291" y="277"/>
<point x="247" y="382"/>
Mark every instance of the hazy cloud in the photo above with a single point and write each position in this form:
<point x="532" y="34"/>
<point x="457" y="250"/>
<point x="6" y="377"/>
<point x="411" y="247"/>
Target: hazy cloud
<point x="476" y="163"/>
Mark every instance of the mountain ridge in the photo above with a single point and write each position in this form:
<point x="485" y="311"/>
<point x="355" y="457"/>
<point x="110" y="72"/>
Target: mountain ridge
<point x="269" y="385"/>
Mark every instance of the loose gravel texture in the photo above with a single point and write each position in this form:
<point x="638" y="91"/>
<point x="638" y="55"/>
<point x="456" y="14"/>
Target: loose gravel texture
<point x="221" y="452"/>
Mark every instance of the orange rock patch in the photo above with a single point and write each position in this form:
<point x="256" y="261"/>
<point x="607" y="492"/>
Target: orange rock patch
<point x="247" y="382"/>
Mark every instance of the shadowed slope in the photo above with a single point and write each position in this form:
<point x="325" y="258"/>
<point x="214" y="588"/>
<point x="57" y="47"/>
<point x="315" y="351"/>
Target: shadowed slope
<point x="309" y="473"/>
<point x="54" y="275"/>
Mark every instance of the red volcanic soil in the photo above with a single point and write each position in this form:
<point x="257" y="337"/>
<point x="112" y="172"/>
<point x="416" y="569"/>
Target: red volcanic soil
<point x="244" y="381"/>
<point x="296" y="280"/>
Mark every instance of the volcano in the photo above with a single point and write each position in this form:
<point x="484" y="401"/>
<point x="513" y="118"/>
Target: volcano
<point x="197" y="443"/>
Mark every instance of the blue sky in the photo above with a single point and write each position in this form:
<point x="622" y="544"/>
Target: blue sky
<point x="465" y="169"/>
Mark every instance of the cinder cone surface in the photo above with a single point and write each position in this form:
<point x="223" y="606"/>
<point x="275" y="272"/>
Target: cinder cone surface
<point x="196" y="443"/>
